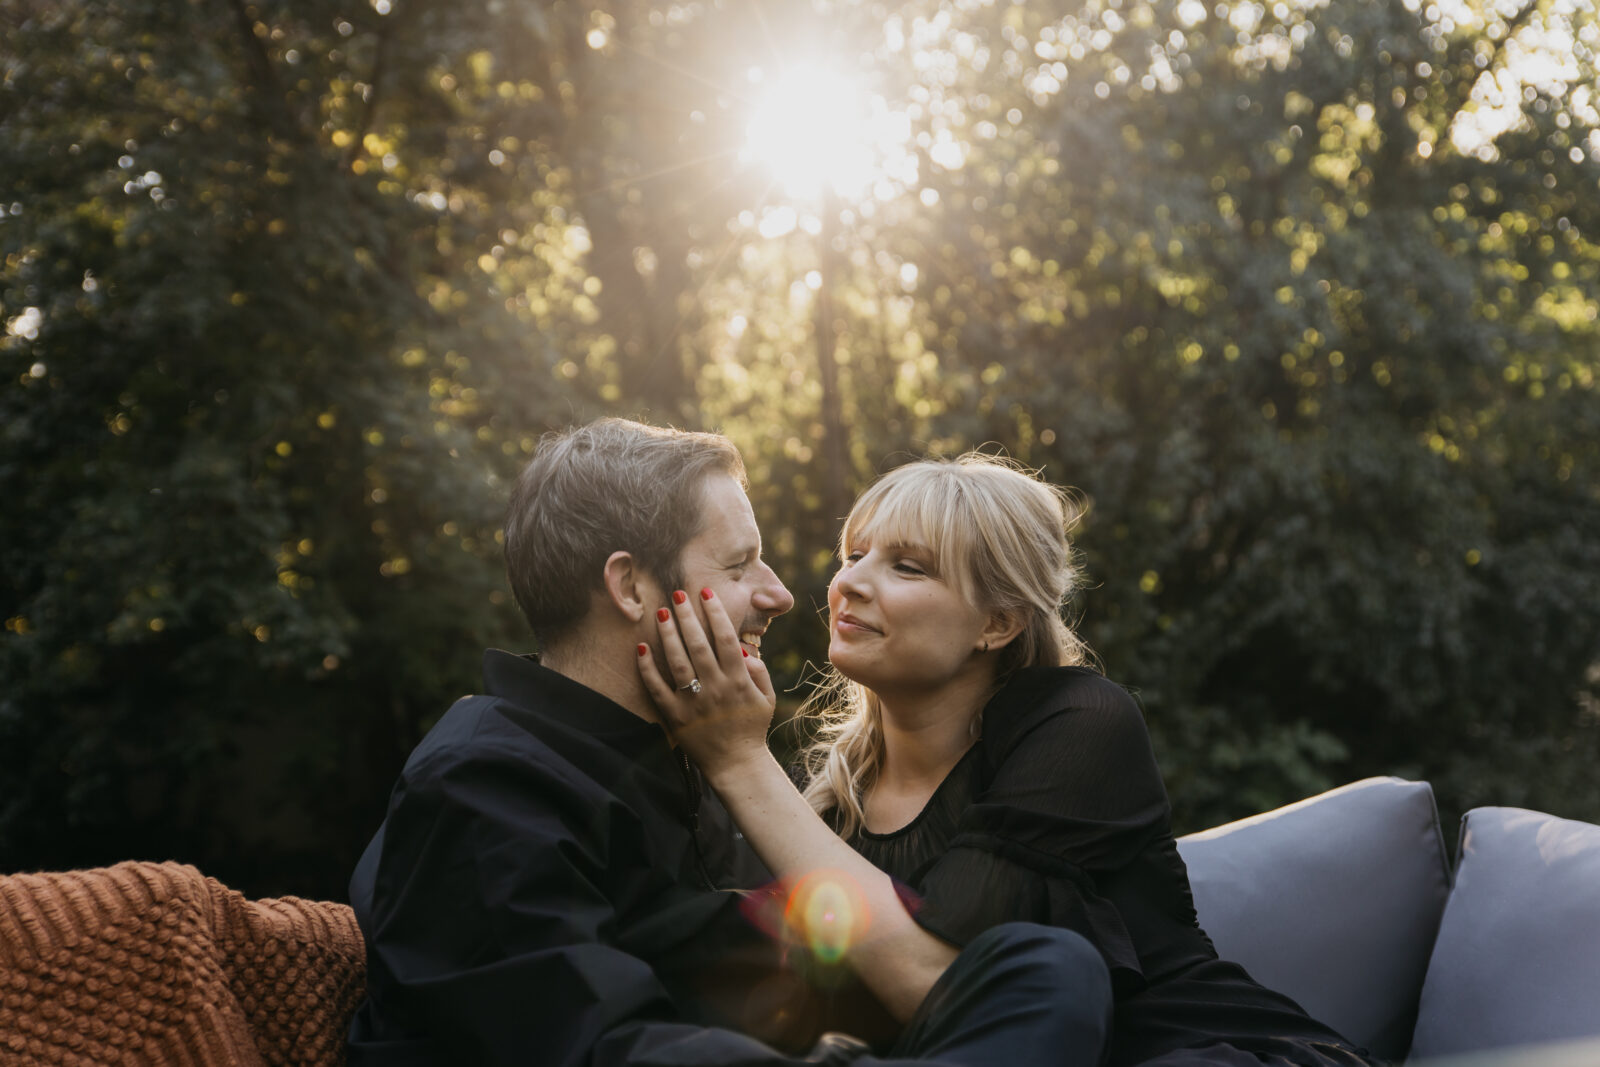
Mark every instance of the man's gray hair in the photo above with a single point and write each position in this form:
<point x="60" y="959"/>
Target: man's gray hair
<point x="610" y="486"/>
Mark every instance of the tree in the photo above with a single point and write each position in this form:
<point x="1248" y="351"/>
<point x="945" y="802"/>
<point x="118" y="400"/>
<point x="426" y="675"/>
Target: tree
<point x="291" y="289"/>
<point x="1235" y="279"/>
<point x="251" y="544"/>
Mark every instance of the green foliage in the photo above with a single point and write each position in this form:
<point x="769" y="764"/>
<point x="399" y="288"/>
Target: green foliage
<point x="1336" y="437"/>
<point x="237" y="516"/>
<point x="290" y="289"/>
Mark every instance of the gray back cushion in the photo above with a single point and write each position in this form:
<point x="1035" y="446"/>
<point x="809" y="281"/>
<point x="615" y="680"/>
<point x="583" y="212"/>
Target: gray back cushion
<point x="1334" y="901"/>
<point x="1518" y="956"/>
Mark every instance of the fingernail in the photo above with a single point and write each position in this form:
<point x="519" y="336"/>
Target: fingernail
<point x="662" y="614"/>
<point x="705" y="594"/>
<point x="679" y="596"/>
<point x="644" y="650"/>
<point x="746" y="652"/>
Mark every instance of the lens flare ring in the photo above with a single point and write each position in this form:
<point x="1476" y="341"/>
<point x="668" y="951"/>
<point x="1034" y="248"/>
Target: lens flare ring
<point x="827" y="912"/>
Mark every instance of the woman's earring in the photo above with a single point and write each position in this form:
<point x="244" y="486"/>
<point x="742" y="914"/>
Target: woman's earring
<point x="986" y="646"/>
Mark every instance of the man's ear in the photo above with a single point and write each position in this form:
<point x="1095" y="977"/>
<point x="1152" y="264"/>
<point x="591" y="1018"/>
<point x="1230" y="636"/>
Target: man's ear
<point x="630" y="589"/>
<point x="999" y="631"/>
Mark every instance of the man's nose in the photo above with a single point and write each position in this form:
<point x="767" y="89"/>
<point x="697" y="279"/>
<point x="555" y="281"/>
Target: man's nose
<point x="772" y="597"/>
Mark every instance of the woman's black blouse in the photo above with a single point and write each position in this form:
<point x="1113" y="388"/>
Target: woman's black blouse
<point x="1058" y="815"/>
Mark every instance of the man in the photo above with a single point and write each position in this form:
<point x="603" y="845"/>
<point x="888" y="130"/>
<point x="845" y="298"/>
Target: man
<point x="554" y="884"/>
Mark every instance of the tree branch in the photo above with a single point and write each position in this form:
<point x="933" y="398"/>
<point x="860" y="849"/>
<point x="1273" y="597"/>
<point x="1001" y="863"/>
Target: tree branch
<point x="380" y="64"/>
<point x="264" y="78"/>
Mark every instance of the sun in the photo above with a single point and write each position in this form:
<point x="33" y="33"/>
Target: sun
<point x="818" y="132"/>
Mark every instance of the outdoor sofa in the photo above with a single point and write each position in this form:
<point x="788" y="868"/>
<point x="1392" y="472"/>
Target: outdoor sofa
<point x="1345" y="901"/>
<point x="1349" y="903"/>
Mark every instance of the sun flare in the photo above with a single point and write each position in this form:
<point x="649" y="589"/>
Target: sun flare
<point x="816" y="130"/>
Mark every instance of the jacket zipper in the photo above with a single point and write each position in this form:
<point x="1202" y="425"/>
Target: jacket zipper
<point x="693" y="793"/>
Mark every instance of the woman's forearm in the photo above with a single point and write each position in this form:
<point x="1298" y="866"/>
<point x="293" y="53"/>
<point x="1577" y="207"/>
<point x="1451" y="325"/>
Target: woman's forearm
<point x="850" y="907"/>
<point x="893" y="956"/>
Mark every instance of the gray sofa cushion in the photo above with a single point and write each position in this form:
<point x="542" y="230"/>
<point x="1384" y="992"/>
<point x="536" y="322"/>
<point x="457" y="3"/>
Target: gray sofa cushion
<point x="1334" y="901"/>
<point x="1518" y="956"/>
<point x="1584" y="1052"/>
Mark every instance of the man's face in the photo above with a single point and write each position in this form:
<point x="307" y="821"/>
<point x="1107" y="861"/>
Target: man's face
<point x="725" y="557"/>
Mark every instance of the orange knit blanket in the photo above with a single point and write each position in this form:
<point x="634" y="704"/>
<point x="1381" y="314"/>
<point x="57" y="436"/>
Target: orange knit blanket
<point x="154" y="963"/>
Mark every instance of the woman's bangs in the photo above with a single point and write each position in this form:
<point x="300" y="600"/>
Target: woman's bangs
<point x="920" y="509"/>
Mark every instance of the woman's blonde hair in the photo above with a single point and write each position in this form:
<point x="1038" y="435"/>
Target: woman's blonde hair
<point x="998" y="535"/>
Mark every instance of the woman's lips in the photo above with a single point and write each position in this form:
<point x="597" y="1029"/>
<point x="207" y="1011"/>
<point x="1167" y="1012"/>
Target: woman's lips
<point x="849" y="624"/>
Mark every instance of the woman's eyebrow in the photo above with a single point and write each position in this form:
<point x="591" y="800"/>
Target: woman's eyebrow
<point x="894" y="547"/>
<point x="908" y="548"/>
<point x="922" y="554"/>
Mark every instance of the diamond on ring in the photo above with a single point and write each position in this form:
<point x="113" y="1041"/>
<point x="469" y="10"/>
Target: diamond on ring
<point x="693" y="687"/>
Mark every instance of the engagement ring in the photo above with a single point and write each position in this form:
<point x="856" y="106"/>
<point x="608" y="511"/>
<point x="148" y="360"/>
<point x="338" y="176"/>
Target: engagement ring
<point x="693" y="687"/>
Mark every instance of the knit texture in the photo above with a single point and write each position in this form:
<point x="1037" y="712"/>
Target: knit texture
<point x="154" y="963"/>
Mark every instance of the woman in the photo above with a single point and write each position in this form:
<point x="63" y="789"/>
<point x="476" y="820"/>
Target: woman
<point x="970" y="755"/>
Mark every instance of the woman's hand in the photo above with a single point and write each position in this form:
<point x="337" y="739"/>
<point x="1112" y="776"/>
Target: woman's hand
<point x="723" y="727"/>
<point x="722" y="722"/>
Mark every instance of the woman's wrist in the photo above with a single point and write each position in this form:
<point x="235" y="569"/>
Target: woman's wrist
<point x="740" y="768"/>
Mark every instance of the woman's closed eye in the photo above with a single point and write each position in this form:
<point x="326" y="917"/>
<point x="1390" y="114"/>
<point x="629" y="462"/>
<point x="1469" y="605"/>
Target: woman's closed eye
<point x="911" y="566"/>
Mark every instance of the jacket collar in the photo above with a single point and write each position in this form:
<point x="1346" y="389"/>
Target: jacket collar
<point x="525" y="682"/>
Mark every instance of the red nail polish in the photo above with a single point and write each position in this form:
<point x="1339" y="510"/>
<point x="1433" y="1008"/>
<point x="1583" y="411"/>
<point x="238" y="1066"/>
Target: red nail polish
<point x="679" y="596"/>
<point x="662" y="614"/>
<point x="644" y="650"/>
<point x="705" y="594"/>
<point x="746" y="652"/>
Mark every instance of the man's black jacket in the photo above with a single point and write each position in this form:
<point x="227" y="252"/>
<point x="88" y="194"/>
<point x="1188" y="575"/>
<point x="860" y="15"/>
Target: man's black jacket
<point x="554" y="885"/>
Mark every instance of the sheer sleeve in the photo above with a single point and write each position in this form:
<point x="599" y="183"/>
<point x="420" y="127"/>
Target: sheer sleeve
<point x="1070" y="790"/>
